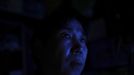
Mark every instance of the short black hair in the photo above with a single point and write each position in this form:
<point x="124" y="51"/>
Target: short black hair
<point x="54" y="22"/>
<point x="57" y="19"/>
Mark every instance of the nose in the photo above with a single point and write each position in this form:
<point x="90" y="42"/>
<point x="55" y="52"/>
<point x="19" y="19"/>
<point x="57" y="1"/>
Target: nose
<point x="76" y="46"/>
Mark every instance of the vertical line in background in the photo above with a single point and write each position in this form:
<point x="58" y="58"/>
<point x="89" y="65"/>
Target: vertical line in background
<point x="132" y="62"/>
<point x="26" y="52"/>
<point x="119" y="44"/>
<point x="130" y="59"/>
<point x="24" y="68"/>
<point x="114" y="50"/>
<point x="24" y="64"/>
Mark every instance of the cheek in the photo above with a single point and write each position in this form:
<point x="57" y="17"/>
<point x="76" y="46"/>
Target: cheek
<point x="85" y="51"/>
<point x="64" y="48"/>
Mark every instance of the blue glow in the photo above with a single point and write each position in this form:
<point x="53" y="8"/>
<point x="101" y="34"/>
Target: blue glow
<point x="73" y="49"/>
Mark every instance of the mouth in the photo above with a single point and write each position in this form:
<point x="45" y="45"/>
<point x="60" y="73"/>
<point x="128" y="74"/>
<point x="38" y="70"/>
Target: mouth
<point x="76" y="64"/>
<point x="76" y="60"/>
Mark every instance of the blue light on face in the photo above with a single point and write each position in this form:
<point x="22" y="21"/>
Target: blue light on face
<point x="72" y="45"/>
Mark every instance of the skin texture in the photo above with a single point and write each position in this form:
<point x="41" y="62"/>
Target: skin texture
<point x="72" y="49"/>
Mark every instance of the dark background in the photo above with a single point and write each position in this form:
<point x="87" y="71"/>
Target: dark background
<point x="111" y="39"/>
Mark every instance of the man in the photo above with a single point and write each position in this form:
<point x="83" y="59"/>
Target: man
<point x="73" y="49"/>
<point x="63" y="49"/>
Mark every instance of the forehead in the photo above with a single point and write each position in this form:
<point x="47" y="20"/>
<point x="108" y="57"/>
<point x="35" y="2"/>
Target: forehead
<point x="73" y="25"/>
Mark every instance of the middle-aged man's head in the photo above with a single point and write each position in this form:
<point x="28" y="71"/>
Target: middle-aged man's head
<point x="64" y="45"/>
<point x="72" y="47"/>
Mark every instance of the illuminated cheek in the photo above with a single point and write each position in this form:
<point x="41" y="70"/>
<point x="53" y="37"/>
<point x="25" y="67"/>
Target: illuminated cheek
<point x="64" y="48"/>
<point x="67" y="53"/>
<point x="85" y="53"/>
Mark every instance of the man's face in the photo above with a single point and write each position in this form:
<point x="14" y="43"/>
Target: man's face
<point x="72" y="48"/>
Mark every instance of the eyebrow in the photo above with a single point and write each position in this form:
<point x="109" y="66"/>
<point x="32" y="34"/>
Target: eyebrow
<point x="70" y="30"/>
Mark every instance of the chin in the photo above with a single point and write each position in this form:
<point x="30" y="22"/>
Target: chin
<point x="75" y="70"/>
<point x="72" y="73"/>
<point x="75" y="73"/>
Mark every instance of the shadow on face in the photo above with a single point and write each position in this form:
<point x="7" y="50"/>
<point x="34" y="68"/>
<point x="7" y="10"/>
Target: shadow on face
<point x="72" y="48"/>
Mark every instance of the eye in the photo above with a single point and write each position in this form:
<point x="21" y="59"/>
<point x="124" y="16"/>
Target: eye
<point x="83" y="39"/>
<point x="65" y="35"/>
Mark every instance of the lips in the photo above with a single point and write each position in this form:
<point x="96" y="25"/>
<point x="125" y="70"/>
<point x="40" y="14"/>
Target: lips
<point x="75" y="64"/>
<point x="77" y="59"/>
